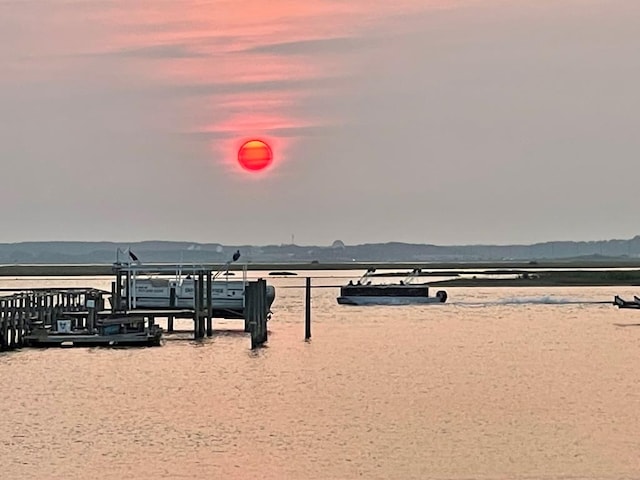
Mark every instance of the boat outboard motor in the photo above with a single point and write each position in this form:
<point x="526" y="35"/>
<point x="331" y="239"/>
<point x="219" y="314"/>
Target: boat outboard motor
<point x="442" y="295"/>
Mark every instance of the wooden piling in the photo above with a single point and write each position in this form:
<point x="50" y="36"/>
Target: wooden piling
<point x="198" y="318"/>
<point x="172" y="304"/>
<point x="307" y="309"/>
<point x="22" y="313"/>
<point x="91" y="316"/>
<point x="209" y="303"/>
<point x="13" y="321"/>
<point x="4" y="325"/>
<point x="256" y="312"/>
<point x="127" y="290"/>
<point x="116" y="297"/>
<point x="201" y="302"/>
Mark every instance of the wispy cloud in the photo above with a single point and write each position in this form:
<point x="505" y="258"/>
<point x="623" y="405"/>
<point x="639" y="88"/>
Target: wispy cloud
<point x="161" y="51"/>
<point x="332" y="45"/>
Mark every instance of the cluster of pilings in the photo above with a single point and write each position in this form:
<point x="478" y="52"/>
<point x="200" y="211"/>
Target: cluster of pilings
<point x="256" y="310"/>
<point x="22" y="311"/>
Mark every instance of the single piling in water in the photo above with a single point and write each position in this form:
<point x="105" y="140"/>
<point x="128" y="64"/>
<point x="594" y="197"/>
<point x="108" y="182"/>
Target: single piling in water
<point x="256" y="312"/>
<point x="209" y="293"/>
<point x="196" y="314"/>
<point x="307" y="309"/>
<point x="172" y="304"/>
<point x="200" y="306"/>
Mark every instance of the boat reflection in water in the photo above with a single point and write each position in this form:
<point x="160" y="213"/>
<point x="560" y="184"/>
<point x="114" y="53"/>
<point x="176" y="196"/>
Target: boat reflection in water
<point x="406" y="292"/>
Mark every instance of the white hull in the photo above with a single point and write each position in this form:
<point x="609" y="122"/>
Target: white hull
<point x="155" y="293"/>
<point x="382" y="300"/>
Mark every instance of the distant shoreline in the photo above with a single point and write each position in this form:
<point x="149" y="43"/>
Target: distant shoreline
<point x="541" y="282"/>
<point x="542" y="274"/>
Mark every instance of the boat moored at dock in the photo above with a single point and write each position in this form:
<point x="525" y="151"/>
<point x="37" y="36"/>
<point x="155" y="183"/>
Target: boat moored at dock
<point x="227" y="296"/>
<point x="159" y="288"/>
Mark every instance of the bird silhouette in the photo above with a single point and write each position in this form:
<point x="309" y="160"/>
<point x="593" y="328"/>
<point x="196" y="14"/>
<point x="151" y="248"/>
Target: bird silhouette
<point x="236" y="256"/>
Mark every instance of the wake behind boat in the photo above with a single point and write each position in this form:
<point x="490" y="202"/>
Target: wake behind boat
<point x="364" y="292"/>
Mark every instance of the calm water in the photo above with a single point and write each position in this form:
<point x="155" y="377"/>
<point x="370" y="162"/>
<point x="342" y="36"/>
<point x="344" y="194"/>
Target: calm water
<point x="497" y="383"/>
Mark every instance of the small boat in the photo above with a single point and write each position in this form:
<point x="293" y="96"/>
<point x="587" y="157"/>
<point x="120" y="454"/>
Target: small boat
<point x="406" y="292"/>
<point x="620" y="303"/>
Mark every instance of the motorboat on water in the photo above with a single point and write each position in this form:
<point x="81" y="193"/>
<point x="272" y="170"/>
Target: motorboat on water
<point x="406" y="292"/>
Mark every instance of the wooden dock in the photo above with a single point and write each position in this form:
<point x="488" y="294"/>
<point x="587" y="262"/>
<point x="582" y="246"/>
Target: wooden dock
<point x="38" y="310"/>
<point x="87" y="316"/>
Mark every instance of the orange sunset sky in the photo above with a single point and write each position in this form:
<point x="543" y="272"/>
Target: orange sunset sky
<point x="433" y="121"/>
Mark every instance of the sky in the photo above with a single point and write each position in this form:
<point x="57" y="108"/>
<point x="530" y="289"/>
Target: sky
<point x="423" y="121"/>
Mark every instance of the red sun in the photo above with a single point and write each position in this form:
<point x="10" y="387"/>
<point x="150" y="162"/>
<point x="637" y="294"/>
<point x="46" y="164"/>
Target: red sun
<point x="255" y="155"/>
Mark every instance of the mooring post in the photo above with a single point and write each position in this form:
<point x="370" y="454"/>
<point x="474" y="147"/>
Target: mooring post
<point x="256" y="312"/>
<point x="250" y="313"/>
<point x="172" y="304"/>
<point x="13" y="321"/>
<point x="117" y="296"/>
<point x="196" y="315"/>
<point x="264" y="310"/>
<point x="4" y="326"/>
<point x="307" y="310"/>
<point x="209" y="289"/>
<point x="55" y="309"/>
<point x="22" y="320"/>
<point x="247" y="309"/>
<point x="52" y="308"/>
<point x="114" y="297"/>
<point x="41" y="303"/>
<point x="30" y="302"/>
<point x="127" y="290"/>
<point x="91" y="318"/>
<point x="201" y="302"/>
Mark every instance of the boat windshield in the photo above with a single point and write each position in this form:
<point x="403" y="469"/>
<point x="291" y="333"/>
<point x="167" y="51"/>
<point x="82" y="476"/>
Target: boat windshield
<point x="413" y="276"/>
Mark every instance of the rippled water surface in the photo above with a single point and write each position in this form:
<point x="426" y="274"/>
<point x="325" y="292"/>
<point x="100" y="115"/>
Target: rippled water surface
<point x="496" y="383"/>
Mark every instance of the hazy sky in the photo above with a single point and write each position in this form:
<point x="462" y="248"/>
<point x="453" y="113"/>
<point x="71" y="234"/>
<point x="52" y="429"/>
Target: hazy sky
<point x="429" y="121"/>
